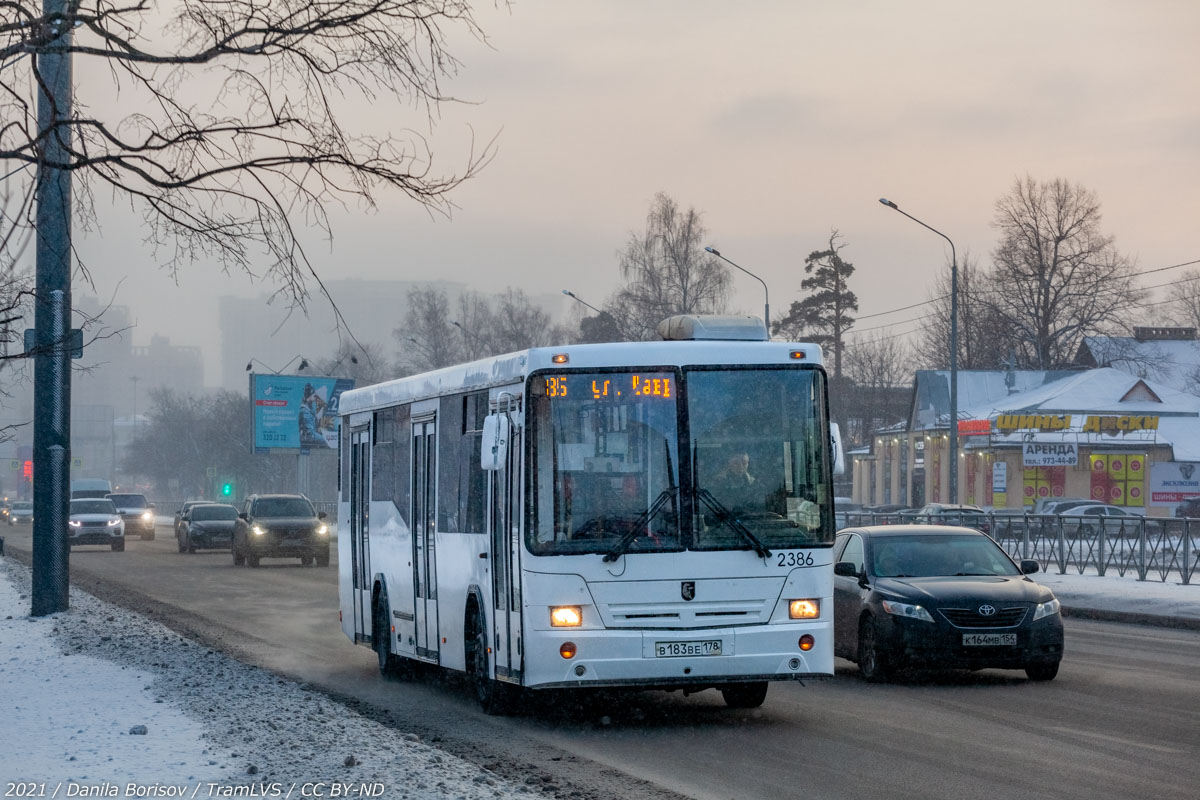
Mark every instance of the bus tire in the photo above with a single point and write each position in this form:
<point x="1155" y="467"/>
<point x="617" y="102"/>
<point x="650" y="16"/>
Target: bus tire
<point x="744" y="695"/>
<point x="494" y="698"/>
<point x="390" y="664"/>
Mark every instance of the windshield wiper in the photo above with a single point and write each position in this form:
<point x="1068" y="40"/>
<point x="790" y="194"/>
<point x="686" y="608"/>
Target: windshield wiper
<point x="639" y="524"/>
<point x="725" y="517"/>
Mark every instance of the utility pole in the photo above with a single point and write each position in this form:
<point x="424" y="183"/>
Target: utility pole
<point x="52" y="321"/>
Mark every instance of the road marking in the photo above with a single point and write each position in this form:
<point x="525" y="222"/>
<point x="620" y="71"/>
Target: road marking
<point x="1117" y="740"/>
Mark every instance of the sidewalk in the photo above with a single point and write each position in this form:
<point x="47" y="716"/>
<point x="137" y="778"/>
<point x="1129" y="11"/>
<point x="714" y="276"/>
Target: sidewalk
<point x="1150" y="602"/>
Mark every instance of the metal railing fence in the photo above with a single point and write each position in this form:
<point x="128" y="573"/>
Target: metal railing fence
<point x="1153" y="548"/>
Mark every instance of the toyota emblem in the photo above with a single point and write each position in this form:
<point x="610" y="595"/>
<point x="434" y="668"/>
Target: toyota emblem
<point x="987" y="611"/>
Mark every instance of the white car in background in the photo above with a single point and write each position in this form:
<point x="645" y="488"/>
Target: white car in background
<point x="95" y="520"/>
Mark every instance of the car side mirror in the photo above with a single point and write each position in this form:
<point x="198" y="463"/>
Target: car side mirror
<point x="1029" y="566"/>
<point x="242" y="515"/>
<point x="846" y="569"/>
<point x="151" y="506"/>
<point x="321" y="515"/>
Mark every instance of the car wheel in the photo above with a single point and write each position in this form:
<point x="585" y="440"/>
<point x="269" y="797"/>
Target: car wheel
<point x="252" y="559"/>
<point x="1044" y="671"/>
<point x="191" y="548"/>
<point x="494" y="697"/>
<point x="118" y="547"/>
<point x="180" y="543"/>
<point x="745" y="695"/>
<point x="872" y="664"/>
<point x="323" y="561"/>
<point x="238" y="558"/>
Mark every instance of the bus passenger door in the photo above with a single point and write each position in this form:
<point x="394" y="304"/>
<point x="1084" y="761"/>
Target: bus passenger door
<point x="424" y="534"/>
<point x="360" y="554"/>
<point x="505" y="529"/>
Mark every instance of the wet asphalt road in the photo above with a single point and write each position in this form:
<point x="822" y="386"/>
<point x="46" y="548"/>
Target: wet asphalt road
<point x="1121" y="720"/>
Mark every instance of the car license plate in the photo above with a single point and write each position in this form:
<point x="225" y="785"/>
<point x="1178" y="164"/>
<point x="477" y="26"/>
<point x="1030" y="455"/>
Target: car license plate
<point x="989" y="639"/>
<point x="709" y="647"/>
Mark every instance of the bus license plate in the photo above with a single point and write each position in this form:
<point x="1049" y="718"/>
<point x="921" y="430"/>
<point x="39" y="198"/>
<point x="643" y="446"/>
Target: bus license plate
<point x="710" y="647"/>
<point x="989" y="639"/>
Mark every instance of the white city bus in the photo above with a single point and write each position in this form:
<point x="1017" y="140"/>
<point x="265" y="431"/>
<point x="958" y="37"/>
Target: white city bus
<point x="646" y="514"/>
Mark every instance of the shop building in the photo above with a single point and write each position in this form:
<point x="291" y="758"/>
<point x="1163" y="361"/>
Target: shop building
<point x="1102" y="434"/>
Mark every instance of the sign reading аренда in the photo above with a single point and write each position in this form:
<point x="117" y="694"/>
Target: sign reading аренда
<point x="1050" y="454"/>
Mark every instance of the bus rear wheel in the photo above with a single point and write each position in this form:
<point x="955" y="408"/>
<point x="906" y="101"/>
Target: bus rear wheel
<point x="745" y="695"/>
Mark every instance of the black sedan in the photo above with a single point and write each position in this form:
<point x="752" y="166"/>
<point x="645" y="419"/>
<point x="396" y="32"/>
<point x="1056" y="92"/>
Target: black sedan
<point x="940" y="597"/>
<point x="206" y="526"/>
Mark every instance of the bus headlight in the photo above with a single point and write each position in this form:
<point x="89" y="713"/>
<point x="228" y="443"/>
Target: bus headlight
<point x="566" y="617"/>
<point x="804" y="609"/>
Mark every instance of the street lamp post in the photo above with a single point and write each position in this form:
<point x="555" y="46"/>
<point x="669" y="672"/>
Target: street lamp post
<point x="953" y="349"/>
<point x="766" y="294"/>
<point x="303" y="365"/>
<point x="579" y="299"/>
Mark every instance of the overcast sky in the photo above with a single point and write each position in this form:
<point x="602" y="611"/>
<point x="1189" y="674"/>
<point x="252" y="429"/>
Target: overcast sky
<point x="778" y="121"/>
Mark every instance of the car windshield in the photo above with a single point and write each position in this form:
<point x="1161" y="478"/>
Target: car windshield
<point x="924" y="556"/>
<point x="128" y="500"/>
<point x="22" y="506"/>
<point x="283" y="507"/>
<point x="213" y="513"/>
<point x="93" y="507"/>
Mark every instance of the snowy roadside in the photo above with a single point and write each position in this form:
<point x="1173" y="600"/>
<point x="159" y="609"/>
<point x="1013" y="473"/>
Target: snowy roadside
<point x="98" y="701"/>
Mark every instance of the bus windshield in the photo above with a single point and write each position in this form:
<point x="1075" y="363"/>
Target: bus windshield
<point x="606" y="463"/>
<point x="759" y="458"/>
<point x="606" y="475"/>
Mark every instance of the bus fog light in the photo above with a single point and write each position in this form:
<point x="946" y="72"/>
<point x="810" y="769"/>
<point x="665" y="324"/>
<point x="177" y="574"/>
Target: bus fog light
<point x="566" y="617"/>
<point x="806" y="642"/>
<point x="567" y="650"/>
<point x="804" y="609"/>
<point x="580" y="669"/>
<point x="794" y="664"/>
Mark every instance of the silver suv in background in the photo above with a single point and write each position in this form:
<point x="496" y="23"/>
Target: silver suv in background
<point x="136" y="512"/>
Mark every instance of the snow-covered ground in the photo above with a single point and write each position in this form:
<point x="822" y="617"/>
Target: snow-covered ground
<point x="97" y="701"/>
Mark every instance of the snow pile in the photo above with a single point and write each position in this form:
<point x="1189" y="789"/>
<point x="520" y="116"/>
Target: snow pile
<point x="97" y="694"/>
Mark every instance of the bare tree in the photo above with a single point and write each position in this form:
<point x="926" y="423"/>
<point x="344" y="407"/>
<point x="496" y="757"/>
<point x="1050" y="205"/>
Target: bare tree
<point x="426" y="337"/>
<point x="824" y="316"/>
<point x="364" y="363"/>
<point x="238" y="136"/>
<point x="983" y="339"/>
<point x="1183" y="308"/>
<point x="667" y="272"/>
<point x="1056" y="277"/>
<point x="876" y="393"/>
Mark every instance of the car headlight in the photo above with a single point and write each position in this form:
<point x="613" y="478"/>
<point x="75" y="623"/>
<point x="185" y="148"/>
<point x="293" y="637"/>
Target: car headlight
<point x="566" y="617"/>
<point x="907" y="610"/>
<point x="259" y="530"/>
<point x="74" y="523"/>
<point x="147" y="516"/>
<point x="804" y="609"/>
<point x="1046" y="609"/>
<point x="112" y="523"/>
<point x="322" y="530"/>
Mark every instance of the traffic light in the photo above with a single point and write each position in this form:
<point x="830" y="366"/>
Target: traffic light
<point x="227" y="489"/>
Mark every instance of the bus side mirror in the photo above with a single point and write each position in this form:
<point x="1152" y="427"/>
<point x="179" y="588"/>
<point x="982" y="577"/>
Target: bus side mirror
<point x="494" y="443"/>
<point x="839" y="456"/>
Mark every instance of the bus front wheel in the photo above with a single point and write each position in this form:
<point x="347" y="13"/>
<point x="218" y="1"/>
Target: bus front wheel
<point x="745" y="695"/>
<point x="494" y="698"/>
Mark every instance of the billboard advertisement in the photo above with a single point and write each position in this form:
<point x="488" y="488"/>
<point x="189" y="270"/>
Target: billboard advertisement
<point x="296" y="412"/>
<point x="1173" y="482"/>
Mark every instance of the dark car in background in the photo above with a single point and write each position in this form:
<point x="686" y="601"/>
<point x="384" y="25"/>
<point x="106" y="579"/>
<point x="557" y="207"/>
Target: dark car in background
<point x="940" y="597"/>
<point x="183" y="508"/>
<point x="206" y="526"/>
<point x="94" y="520"/>
<point x="137" y="513"/>
<point x="280" y="526"/>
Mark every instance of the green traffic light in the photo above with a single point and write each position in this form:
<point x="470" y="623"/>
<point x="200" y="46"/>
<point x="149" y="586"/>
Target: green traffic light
<point x="227" y="489"/>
